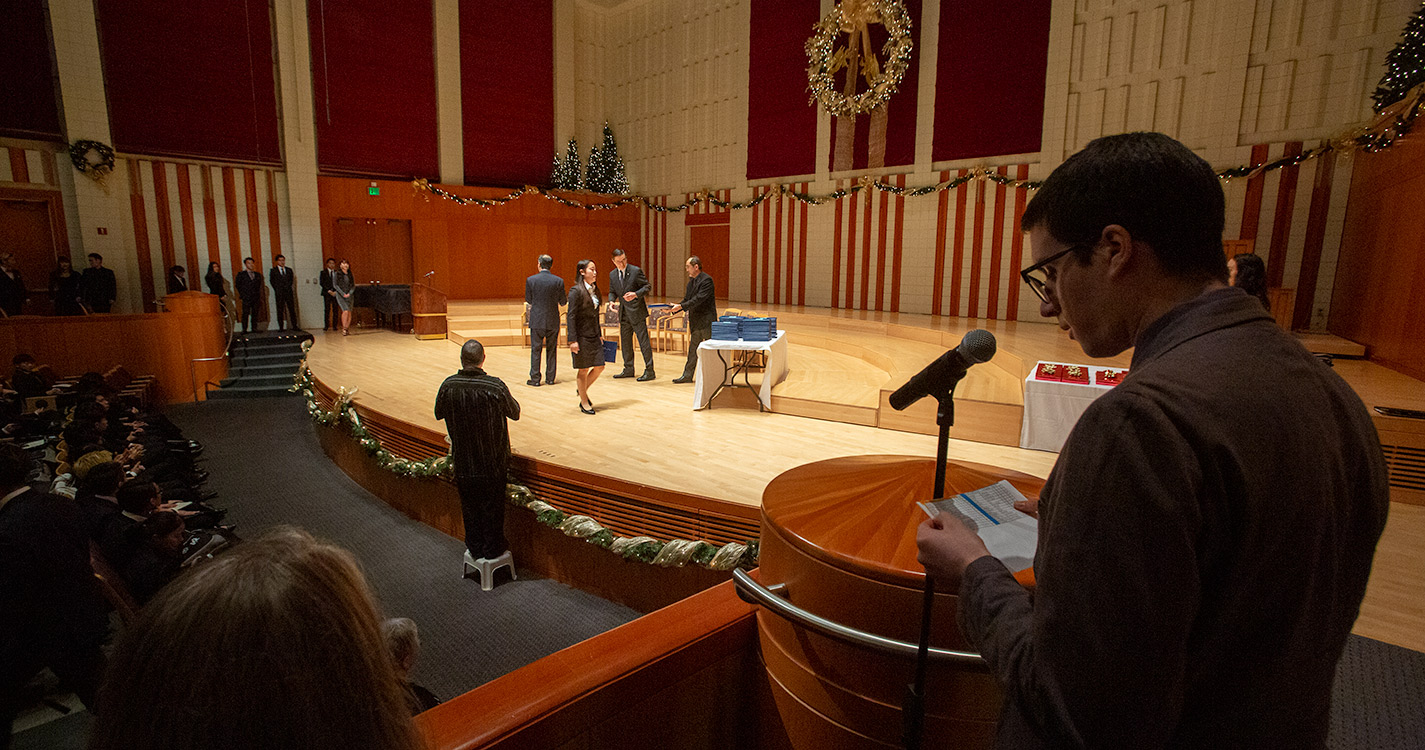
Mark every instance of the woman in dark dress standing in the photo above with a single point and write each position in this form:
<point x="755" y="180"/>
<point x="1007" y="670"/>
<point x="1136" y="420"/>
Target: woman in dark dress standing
<point x="586" y="340"/>
<point x="64" y="289"/>
<point x="214" y="280"/>
<point x="344" y="285"/>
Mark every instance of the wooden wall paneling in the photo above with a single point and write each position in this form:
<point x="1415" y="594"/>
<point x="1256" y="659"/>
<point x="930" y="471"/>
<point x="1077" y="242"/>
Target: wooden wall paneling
<point x="190" y="229"/>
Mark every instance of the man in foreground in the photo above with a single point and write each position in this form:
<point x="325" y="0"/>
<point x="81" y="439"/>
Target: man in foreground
<point x="699" y="300"/>
<point x="475" y="406"/>
<point x="1206" y="534"/>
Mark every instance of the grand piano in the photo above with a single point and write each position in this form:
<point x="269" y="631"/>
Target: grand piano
<point x="392" y="302"/>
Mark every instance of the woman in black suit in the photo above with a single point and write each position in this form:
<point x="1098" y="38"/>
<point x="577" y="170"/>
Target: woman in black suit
<point x="586" y="340"/>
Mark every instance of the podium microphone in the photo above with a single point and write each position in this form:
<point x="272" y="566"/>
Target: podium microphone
<point x="429" y="274"/>
<point x="938" y="376"/>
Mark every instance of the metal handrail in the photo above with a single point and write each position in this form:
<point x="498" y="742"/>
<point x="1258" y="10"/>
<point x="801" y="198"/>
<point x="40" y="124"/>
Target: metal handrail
<point x="193" y="374"/>
<point x="770" y="599"/>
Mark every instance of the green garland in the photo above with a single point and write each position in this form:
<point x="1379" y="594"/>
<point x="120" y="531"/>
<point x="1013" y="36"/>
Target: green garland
<point x="673" y="553"/>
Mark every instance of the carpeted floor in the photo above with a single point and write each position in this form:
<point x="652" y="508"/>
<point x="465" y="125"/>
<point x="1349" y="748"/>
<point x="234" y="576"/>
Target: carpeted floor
<point x="268" y="469"/>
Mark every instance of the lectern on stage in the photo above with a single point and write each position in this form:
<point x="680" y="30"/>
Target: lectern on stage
<point x="427" y="311"/>
<point x="841" y="593"/>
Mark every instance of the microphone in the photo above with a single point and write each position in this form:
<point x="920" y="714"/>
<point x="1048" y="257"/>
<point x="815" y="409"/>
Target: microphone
<point x="977" y="346"/>
<point x="430" y="274"/>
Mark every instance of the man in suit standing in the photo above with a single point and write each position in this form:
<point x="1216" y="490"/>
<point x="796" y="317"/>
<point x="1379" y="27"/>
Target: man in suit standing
<point x="12" y="287"/>
<point x="249" y="288"/>
<point x="97" y="285"/>
<point x="284" y="287"/>
<point x="627" y="287"/>
<point x="699" y="301"/>
<point x="331" y="312"/>
<point x="177" y="280"/>
<point x="544" y="293"/>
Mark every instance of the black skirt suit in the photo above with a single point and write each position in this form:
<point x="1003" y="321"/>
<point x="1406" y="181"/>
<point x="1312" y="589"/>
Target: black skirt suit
<point x="584" y="327"/>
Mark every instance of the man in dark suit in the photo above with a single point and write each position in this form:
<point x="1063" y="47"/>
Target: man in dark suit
<point x="97" y="286"/>
<point x="284" y="288"/>
<point x="544" y="293"/>
<point x="177" y="280"/>
<point x="475" y="406"/>
<point x="331" y="312"/>
<point x="12" y="287"/>
<point x="699" y="301"/>
<point x="627" y="287"/>
<point x="249" y="288"/>
<point x="55" y="615"/>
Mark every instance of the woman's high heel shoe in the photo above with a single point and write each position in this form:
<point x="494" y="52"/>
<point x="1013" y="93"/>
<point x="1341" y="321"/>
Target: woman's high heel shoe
<point x="345" y="332"/>
<point x="589" y="410"/>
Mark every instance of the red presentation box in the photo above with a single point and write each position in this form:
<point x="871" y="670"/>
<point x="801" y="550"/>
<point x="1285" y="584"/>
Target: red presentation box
<point x="1049" y="371"/>
<point x="1075" y="374"/>
<point x="1110" y="377"/>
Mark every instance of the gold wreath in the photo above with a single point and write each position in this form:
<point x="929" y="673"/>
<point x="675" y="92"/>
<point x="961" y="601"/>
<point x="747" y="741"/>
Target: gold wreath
<point x="858" y="57"/>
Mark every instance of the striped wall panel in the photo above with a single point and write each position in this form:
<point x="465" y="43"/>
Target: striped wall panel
<point x="27" y="167"/>
<point x="958" y="253"/>
<point x="191" y="214"/>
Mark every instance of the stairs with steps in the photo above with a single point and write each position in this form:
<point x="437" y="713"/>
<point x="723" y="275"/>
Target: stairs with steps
<point x="497" y="324"/>
<point x="262" y="364"/>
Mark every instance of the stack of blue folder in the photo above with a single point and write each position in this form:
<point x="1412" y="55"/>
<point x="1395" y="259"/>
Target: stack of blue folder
<point x="757" y="329"/>
<point x="724" y="329"/>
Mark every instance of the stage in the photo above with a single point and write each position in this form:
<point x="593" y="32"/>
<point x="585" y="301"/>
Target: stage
<point x="648" y="463"/>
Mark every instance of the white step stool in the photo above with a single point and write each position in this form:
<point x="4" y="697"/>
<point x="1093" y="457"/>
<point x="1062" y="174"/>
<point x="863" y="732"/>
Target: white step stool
<point x="487" y="568"/>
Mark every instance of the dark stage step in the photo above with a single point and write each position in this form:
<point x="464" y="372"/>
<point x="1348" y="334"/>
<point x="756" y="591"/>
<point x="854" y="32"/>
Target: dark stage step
<point x="262" y="364"/>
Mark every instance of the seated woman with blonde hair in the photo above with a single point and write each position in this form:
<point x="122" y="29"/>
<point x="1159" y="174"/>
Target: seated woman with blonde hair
<point x="276" y="643"/>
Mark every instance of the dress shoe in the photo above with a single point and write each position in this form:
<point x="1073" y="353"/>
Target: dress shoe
<point x="589" y="410"/>
<point x="534" y="382"/>
<point x="549" y="381"/>
<point x="625" y="374"/>
<point x="646" y="376"/>
<point x="683" y="379"/>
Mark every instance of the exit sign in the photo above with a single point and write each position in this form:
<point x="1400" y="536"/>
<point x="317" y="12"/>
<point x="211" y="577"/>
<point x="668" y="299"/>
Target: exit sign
<point x="373" y="190"/>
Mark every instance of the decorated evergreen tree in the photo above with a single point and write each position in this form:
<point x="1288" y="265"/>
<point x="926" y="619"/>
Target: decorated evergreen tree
<point x="1404" y="65"/>
<point x="594" y="174"/>
<point x="568" y="172"/>
<point x="614" y="180"/>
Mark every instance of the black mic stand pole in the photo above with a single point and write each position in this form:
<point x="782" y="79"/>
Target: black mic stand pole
<point x="914" y="708"/>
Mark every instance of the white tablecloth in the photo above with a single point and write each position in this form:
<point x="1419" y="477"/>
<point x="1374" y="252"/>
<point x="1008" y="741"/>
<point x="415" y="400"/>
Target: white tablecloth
<point x="1051" y="409"/>
<point x="714" y="369"/>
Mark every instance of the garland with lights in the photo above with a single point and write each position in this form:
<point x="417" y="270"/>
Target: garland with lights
<point x="1404" y="65"/>
<point x="854" y="17"/>
<point x="1373" y="138"/>
<point x="79" y="153"/>
<point x="674" y="553"/>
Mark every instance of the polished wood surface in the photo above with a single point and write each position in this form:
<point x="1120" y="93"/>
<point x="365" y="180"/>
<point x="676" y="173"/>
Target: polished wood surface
<point x="1377" y="298"/>
<point x="428" y="308"/>
<point x="685" y="676"/>
<point x="478" y="253"/>
<point x="861" y="513"/>
<point x="158" y="344"/>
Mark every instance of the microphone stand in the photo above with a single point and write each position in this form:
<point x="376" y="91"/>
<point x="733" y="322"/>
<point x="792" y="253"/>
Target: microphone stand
<point x="913" y="709"/>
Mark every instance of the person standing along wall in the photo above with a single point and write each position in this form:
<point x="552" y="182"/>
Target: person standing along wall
<point x="249" y="289"/>
<point x="284" y="288"/>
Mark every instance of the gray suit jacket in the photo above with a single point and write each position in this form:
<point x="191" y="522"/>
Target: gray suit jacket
<point x="545" y="293"/>
<point x="637" y="283"/>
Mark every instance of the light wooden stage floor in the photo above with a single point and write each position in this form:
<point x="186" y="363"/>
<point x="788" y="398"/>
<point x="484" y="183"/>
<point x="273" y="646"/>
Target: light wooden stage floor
<point x="845" y="363"/>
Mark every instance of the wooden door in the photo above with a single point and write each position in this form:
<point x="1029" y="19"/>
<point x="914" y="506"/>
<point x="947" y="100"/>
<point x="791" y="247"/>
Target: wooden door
<point x="378" y="249"/>
<point x="26" y="229"/>
<point x="712" y="243"/>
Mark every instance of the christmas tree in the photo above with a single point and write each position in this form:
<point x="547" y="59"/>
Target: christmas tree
<point x="568" y="173"/>
<point x="594" y="173"/>
<point x="1405" y="65"/>
<point x="611" y="166"/>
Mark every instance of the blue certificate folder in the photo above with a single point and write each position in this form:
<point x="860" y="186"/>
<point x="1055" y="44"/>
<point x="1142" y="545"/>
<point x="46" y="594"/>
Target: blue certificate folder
<point x="610" y="351"/>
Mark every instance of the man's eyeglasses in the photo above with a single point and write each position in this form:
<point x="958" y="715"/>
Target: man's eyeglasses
<point x="1035" y="275"/>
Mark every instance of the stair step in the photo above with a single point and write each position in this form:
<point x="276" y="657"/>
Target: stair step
<point x="265" y="358"/>
<point x="261" y="368"/>
<point x="249" y="392"/>
<point x="276" y="380"/>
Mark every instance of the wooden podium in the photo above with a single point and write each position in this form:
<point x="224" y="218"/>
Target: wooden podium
<point x="427" y="311"/>
<point x="839" y="536"/>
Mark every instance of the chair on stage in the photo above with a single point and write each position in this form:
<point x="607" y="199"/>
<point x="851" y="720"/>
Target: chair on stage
<point x="672" y="328"/>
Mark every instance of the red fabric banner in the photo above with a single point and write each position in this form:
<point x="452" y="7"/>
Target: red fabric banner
<point x="373" y="87"/>
<point x="781" y="125"/>
<point x="898" y="136"/>
<point x="989" y="86"/>
<point x="507" y="91"/>
<point x="190" y="78"/>
<point x="28" y="106"/>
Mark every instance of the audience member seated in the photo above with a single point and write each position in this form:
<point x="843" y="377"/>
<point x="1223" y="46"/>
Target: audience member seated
<point x="276" y="643"/>
<point x="403" y="639"/>
<point x="157" y="545"/>
<point x="1246" y="270"/>
<point x="97" y="496"/>
<point x="52" y="611"/>
<point x="138" y="500"/>
<point x="26" y="379"/>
